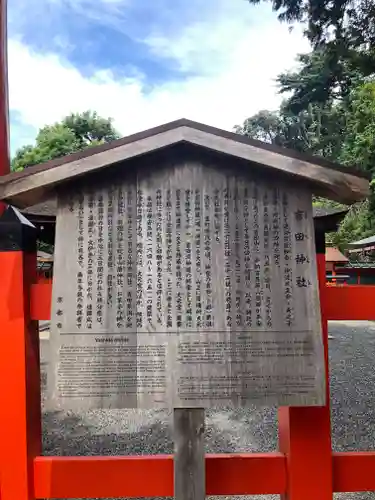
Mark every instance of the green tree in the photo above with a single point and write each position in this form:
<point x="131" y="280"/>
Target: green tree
<point x="343" y="131"/>
<point x="325" y="76"/>
<point x="317" y="130"/>
<point x="73" y="133"/>
<point x="355" y="226"/>
<point x="345" y="23"/>
<point x="359" y="150"/>
<point x="330" y="109"/>
<point x="359" y="146"/>
<point x="90" y="129"/>
<point x="266" y="126"/>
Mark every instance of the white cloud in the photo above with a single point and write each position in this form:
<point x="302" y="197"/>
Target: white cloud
<point x="210" y="44"/>
<point x="235" y="64"/>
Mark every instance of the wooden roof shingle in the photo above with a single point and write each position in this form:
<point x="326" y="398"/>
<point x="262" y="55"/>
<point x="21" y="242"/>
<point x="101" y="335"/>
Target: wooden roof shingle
<point x="36" y="184"/>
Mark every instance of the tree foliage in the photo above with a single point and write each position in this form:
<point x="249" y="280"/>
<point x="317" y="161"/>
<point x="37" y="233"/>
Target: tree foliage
<point x="74" y="133"/>
<point x="317" y="130"/>
<point x="341" y="130"/>
<point x="325" y="76"/>
<point x="90" y="129"/>
<point x="359" y="149"/>
<point x="345" y="23"/>
<point x="329" y="108"/>
<point x="359" y="145"/>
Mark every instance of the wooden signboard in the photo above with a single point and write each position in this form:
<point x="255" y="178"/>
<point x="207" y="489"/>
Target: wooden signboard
<point x="187" y="286"/>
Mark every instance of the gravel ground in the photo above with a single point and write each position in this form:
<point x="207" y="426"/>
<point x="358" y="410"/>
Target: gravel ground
<point x="352" y="354"/>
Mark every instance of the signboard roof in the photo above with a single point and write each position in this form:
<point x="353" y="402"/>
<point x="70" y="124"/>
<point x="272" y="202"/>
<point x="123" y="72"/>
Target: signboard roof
<point x="35" y="184"/>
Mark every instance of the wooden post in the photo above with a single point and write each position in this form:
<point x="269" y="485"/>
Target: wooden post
<point x="20" y="416"/>
<point x="4" y="114"/>
<point x="305" y="433"/>
<point x="189" y="459"/>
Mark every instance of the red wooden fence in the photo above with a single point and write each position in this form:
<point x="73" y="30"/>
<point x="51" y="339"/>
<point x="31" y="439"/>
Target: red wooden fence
<point x="304" y="469"/>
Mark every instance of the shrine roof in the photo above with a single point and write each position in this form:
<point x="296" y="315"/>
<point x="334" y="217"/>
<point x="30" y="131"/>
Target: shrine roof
<point x="370" y="241"/>
<point x="36" y="184"/>
<point x="48" y="209"/>
<point x="333" y="254"/>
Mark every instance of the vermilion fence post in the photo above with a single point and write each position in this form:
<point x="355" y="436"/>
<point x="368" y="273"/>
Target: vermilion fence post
<point x="305" y="433"/>
<point x="20" y="416"/>
<point x="4" y="113"/>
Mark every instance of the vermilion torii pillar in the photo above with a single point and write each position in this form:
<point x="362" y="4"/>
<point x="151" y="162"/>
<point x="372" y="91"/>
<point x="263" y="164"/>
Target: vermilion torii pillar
<point x="4" y="111"/>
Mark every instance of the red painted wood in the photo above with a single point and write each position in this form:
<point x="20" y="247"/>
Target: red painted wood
<point x="350" y="302"/>
<point x="245" y="474"/>
<point x="237" y="474"/>
<point x="341" y="302"/>
<point x="305" y="435"/>
<point x="20" y="422"/>
<point x="4" y="113"/>
<point x="304" y="438"/>
<point x="40" y="301"/>
<point x="149" y="476"/>
<point x="354" y="471"/>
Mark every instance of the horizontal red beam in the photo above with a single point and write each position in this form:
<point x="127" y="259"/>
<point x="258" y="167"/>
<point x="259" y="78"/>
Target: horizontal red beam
<point x="149" y="476"/>
<point x="349" y="302"/>
<point x="245" y="474"/>
<point x="354" y="471"/>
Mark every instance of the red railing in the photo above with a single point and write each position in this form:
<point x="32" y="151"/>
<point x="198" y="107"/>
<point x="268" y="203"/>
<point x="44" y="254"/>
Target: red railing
<point x="304" y="469"/>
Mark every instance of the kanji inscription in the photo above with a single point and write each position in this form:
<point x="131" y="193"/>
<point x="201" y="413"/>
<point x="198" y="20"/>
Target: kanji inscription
<point x="190" y="287"/>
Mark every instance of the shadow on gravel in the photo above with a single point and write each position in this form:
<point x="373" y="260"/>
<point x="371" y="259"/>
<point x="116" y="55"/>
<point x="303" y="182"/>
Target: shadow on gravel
<point x="68" y="434"/>
<point x="261" y="424"/>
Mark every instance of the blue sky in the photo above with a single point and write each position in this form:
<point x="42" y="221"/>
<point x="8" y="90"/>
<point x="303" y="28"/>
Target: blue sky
<point x="144" y="62"/>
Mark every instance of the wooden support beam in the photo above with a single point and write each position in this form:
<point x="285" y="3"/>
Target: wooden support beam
<point x="226" y="474"/>
<point x="189" y="463"/>
<point x="354" y="471"/>
<point x="20" y="417"/>
<point x="149" y="476"/>
<point x="305" y="433"/>
<point x="350" y="302"/>
<point x="4" y="104"/>
<point x="40" y="301"/>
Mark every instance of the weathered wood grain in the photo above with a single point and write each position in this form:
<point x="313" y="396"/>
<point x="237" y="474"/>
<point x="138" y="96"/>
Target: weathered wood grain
<point x="205" y="280"/>
<point x="34" y="188"/>
<point x="189" y="457"/>
<point x="342" y="186"/>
